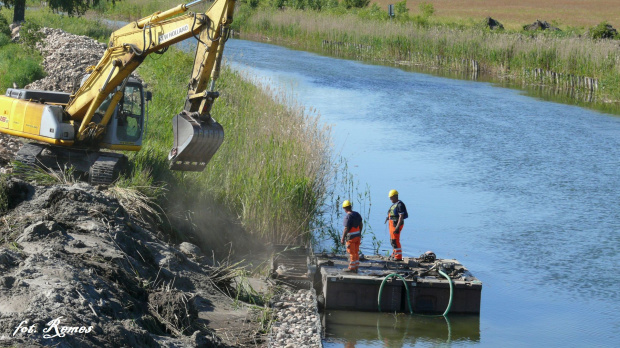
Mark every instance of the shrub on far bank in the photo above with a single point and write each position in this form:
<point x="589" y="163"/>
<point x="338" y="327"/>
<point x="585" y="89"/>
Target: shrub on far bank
<point x="603" y="30"/>
<point x="355" y="3"/>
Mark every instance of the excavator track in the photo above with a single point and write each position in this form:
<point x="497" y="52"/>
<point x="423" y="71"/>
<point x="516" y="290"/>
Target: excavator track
<point x="28" y="154"/>
<point x="107" y="168"/>
<point x="98" y="168"/>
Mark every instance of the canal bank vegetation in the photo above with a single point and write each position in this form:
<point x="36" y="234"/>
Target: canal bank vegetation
<point x="268" y="179"/>
<point x="553" y="58"/>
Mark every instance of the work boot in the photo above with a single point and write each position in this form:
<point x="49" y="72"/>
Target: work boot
<point x="350" y="270"/>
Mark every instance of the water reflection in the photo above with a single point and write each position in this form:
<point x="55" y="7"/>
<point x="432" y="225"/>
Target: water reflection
<point x="397" y="330"/>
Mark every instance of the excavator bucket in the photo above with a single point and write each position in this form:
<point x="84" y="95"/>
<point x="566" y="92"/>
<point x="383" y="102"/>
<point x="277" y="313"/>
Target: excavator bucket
<point x="195" y="142"/>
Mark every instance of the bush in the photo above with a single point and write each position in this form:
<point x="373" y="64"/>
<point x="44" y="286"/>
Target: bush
<point x="30" y="34"/>
<point x="400" y="10"/>
<point x="4" y="27"/>
<point x="603" y="31"/>
<point x="355" y="3"/>
<point x="426" y="9"/>
<point x="4" y="39"/>
<point x="277" y="3"/>
<point x="297" y="4"/>
<point x="373" y="12"/>
<point x="316" y="5"/>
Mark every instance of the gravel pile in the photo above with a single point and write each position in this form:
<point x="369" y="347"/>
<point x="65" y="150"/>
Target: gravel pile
<point x="297" y="321"/>
<point x="66" y="58"/>
<point x="9" y="145"/>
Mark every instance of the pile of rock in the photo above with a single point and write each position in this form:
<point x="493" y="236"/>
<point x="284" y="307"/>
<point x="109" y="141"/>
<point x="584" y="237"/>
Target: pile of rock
<point x="539" y="25"/>
<point x="14" y="28"/>
<point x="9" y="145"/>
<point x="492" y="24"/>
<point x="297" y="321"/>
<point x="66" y="58"/>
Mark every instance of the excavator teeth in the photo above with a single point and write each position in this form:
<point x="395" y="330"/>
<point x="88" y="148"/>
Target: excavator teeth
<point x="195" y="142"/>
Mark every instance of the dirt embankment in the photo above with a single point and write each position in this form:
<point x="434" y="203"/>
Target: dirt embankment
<point x="77" y="270"/>
<point x="72" y="258"/>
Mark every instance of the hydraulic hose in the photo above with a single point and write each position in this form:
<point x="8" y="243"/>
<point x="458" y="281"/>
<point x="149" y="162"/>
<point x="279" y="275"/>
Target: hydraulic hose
<point x="445" y="313"/>
<point x="451" y="291"/>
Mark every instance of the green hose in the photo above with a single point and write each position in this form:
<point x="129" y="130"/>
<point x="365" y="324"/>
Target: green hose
<point x="451" y="291"/>
<point x="381" y="290"/>
<point x="445" y="313"/>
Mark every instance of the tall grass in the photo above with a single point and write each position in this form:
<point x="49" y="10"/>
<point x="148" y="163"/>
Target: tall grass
<point x="18" y="65"/>
<point x="514" y="55"/>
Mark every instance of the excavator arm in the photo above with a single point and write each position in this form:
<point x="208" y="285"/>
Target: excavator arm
<point x="196" y="135"/>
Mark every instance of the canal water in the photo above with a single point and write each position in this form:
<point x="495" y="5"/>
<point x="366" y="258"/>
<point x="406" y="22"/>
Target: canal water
<point x="523" y="191"/>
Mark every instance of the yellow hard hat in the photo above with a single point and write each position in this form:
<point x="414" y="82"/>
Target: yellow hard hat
<point x="346" y="204"/>
<point x="392" y="193"/>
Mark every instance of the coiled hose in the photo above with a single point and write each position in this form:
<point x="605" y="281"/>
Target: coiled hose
<point x="445" y="313"/>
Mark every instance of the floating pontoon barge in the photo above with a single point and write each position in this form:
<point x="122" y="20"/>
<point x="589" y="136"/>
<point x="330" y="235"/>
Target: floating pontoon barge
<point x="421" y="280"/>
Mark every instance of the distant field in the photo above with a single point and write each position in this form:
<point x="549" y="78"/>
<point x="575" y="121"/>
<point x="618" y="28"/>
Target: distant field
<point x="515" y="13"/>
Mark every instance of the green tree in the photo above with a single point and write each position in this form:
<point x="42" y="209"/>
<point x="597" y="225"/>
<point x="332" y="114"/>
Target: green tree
<point x="71" y="7"/>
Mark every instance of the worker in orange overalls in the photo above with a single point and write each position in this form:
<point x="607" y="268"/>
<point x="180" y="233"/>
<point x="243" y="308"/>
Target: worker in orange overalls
<point x="352" y="234"/>
<point x="396" y="215"/>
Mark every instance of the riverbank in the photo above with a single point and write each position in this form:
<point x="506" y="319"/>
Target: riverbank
<point x="559" y="61"/>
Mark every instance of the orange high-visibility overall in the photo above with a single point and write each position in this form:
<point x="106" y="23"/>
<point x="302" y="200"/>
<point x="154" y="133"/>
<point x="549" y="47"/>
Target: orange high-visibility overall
<point x="397" y="251"/>
<point x="354" y="237"/>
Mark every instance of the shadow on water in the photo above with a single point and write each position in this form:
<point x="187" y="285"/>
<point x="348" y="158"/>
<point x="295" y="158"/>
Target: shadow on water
<point x="397" y="330"/>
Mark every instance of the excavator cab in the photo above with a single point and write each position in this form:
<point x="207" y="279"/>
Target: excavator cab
<point x="125" y="129"/>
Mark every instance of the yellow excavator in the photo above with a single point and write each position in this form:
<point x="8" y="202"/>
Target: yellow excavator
<point x="108" y="110"/>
